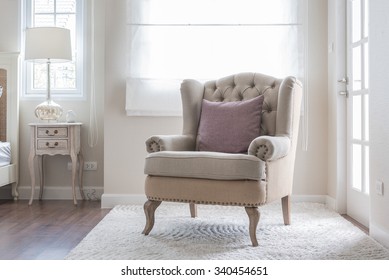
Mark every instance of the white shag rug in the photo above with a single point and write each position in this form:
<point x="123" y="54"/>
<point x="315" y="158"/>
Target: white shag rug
<point x="221" y="232"/>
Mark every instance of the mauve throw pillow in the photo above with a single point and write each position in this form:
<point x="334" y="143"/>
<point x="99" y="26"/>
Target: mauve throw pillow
<point x="229" y="127"/>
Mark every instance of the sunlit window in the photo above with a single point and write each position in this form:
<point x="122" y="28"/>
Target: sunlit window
<point x="66" y="78"/>
<point x="171" y="40"/>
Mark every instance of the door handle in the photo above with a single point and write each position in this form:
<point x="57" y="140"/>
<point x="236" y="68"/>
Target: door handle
<point x="343" y="80"/>
<point x="344" y="93"/>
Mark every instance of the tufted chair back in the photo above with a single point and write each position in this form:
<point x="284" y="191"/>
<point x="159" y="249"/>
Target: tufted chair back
<point x="276" y="110"/>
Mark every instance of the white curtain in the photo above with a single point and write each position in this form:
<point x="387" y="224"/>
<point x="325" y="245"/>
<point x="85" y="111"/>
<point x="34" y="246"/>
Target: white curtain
<point x="171" y="40"/>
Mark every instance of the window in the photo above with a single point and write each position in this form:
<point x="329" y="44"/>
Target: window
<point x="170" y="40"/>
<point x="66" y="78"/>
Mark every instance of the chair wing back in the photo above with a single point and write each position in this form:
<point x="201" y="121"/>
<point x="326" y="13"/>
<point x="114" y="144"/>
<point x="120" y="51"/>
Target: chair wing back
<point x="277" y="107"/>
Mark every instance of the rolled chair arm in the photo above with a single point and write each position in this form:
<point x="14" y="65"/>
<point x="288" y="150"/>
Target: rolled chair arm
<point x="159" y="143"/>
<point x="269" y="148"/>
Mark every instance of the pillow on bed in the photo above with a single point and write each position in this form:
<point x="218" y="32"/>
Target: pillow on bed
<point x="229" y="127"/>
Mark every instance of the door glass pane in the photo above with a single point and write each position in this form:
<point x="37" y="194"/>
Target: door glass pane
<point x="357" y="167"/>
<point x="356" y="64"/>
<point x="366" y="117"/>
<point x="367" y="171"/>
<point x="366" y="66"/>
<point x="366" y="19"/>
<point x="357" y="117"/>
<point x="356" y="18"/>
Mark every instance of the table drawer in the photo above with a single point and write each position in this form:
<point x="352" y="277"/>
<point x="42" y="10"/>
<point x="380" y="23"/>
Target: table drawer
<point x="58" y="132"/>
<point x="52" y="144"/>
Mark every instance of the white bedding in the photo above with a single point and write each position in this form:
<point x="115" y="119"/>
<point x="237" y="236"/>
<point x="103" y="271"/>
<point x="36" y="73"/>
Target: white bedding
<point x="5" y="153"/>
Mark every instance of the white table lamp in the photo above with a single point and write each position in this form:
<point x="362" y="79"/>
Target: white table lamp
<point x="48" y="45"/>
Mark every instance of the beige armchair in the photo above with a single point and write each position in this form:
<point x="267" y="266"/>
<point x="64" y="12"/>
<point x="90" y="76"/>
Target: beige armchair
<point x="237" y="147"/>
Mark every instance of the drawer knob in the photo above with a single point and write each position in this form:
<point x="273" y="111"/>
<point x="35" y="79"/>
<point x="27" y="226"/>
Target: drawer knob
<point x="54" y="146"/>
<point x="50" y="134"/>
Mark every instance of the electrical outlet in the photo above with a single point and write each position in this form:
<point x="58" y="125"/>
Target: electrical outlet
<point x="379" y="187"/>
<point x="90" y="165"/>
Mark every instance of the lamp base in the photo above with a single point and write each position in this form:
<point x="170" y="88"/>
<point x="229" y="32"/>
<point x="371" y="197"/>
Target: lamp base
<point x="48" y="111"/>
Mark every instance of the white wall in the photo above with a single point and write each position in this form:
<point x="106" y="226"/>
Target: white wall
<point x="58" y="179"/>
<point x="9" y="25"/>
<point x="311" y="166"/>
<point x="121" y="150"/>
<point x="124" y="150"/>
<point x="379" y="125"/>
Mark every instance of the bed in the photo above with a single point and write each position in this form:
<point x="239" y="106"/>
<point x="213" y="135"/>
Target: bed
<point x="5" y="154"/>
<point x="9" y="120"/>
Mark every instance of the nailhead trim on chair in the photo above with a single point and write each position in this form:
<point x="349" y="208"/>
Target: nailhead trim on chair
<point x="261" y="152"/>
<point x="154" y="146"/>
<point x="205" y="202"/>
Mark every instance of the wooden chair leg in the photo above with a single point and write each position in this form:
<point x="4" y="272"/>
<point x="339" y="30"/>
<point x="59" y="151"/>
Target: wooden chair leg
<point x="285" y="201"/>
<point x="254" y="215"/>
<point x="149" y="207"/>
<point x="193" y="210"/>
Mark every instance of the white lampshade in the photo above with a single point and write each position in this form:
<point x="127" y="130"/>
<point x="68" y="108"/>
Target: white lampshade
<point x="48" y="44"/>
<point x="43" y="43"/>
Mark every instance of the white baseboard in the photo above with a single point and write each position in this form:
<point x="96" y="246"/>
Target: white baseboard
<point x="309" y="198"/>
<point x="379" y="234"/>
<point x="331" y="203"/>
<point x="111" y="200"/>
<point x="61" y="192"/>
<point x="324" y="199"/>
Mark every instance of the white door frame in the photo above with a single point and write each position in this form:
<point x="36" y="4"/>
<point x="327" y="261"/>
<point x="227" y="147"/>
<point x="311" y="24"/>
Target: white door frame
<point x="337" y="104"/>
<point x="337" y="122"/>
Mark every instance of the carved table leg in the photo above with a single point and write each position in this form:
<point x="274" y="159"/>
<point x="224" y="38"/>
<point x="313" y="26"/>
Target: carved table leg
<point x="150" y="206"/>
<point x="74" y="159"/>
<point x="254" y="215"/>
<point x="80" y="175"/>
<point x="41" y="175"/>
<point x="32" y="175"/>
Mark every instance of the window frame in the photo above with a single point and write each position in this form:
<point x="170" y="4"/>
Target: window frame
<point x="62" y="94"/>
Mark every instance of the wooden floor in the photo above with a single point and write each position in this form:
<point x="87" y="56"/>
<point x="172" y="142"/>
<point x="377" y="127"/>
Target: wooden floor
<point x="45" y="230"/>
<point x="49" y="229"/>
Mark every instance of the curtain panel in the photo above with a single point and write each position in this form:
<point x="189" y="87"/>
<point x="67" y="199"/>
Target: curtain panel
<point x="172" y="40"/>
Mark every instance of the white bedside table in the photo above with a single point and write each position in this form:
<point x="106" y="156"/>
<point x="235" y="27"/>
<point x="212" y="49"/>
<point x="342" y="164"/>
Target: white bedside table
<point x="56" y="139"/>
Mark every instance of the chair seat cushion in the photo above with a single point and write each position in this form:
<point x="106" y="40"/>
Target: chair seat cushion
<point x="204" y="165"/>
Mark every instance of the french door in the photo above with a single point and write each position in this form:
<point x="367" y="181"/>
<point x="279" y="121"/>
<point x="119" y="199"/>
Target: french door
<point x="357" y="94"/>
